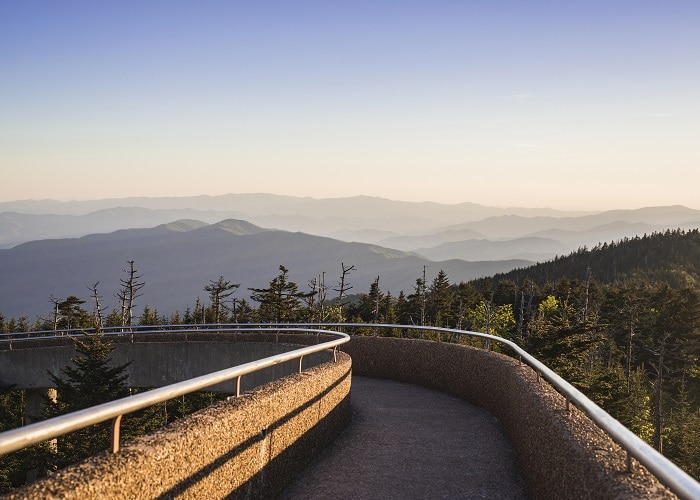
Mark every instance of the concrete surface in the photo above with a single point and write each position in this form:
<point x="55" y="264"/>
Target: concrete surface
<point x="406" y="441"/>
<point x="247" y="447"/>
<point x="562" y="454"/>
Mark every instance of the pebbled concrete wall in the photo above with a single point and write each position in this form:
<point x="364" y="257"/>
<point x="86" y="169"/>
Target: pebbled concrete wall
<point x="562" y="454"/>
<point x="247" y="447"/>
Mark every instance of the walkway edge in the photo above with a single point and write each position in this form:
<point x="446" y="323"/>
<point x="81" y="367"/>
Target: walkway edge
<point x="562" y="453"/>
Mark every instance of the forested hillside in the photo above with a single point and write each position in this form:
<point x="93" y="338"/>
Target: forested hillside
<point x="671" y="256"/>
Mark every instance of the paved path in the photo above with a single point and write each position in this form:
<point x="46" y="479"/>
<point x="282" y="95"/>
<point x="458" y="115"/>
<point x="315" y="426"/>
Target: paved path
<point x="406" y="441"/>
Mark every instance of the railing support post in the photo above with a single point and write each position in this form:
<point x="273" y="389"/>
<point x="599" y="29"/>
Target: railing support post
<point x="238" y="386"/>
<point x="116" y="423"/>
<point x="301" y="358"/>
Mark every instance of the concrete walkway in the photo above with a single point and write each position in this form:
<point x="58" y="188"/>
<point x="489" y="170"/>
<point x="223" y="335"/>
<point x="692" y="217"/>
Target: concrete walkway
<point x="406" y="441"/>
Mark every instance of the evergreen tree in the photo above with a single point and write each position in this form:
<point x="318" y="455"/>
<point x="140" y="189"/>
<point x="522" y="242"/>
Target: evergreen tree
<point x="219" y="291"/>
<point x="416" y="305"/>
<point x="91" y="380"/>
<point x="633" y="407"/>
<point x="466" y="298"/>
<point x="71" y="314"/>
<point x="14" y="466"/>
<point x="683" y="444"/>
<point x="370" y="306"/>
<point x="149" y="317"/>
<point x="281" y="302"/>
<point x="440" y="298"/>
<point x="243" y="312"/>
<point x="403" y="311"/>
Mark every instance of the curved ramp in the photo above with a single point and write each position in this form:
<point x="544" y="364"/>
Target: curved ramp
<point x="406" y="441"/>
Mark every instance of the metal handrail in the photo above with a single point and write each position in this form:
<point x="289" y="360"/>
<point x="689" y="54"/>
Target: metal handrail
<point x="663" y="469"/>
<point x="125" y="330"/>
<point x="28" y="435"/>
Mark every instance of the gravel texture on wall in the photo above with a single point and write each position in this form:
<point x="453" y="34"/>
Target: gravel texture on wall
<point x="562" y="454"/>
<point x="247" y="447"/>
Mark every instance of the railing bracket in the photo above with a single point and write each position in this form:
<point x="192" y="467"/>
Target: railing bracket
<point x="116" y="424"/>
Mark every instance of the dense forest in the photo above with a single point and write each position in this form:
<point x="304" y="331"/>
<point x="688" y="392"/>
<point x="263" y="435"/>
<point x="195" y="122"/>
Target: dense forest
<point x="620" y="321"/>
<point x="671" y="257"/>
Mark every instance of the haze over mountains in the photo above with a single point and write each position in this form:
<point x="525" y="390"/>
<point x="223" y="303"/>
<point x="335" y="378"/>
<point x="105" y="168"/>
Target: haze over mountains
<point x="177" y="260"/>
<point x="360" y="218"/>
<point x="61" y="248"/>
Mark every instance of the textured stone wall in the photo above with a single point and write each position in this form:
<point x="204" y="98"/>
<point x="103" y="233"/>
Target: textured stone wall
<point x="247" y="447"/>
<point x="562" y="454"/>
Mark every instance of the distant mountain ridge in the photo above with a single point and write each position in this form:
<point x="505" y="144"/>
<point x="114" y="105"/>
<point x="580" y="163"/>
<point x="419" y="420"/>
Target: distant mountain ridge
<point x="182" y="243"/>
<point x="528" y="248"/>
<point x="268" y="204"/>
<point x="179" y="258"/>
<point x="28" y="220"/>
<point x="407" y="226"/>
<point x="17" y="228"/>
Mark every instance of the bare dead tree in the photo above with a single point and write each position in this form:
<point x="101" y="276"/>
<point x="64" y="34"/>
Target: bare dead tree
<point x="316" y="299"/>
<point x="197" y="307"/>
<point x="377" y="296"/>
<point x="98" y="310"/>
<point x="462" y="310"/>
<point x="422" y="301"/>
<point x="310" y="299"/>
<point x="489" y="310"/>
<point x="343" y="286"/>
<point x="521" y="316"/>
<point x="234" y="311"/>
<point x="659" y="368"/>
<point x="56" y="315"/>
<point x="671" y="359"/>
<point x="131" y="286"/>
<point x="322" y="294"/>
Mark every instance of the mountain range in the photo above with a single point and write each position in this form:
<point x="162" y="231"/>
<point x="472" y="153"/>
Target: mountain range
<point x="177" y="260"/>
<point x="52" y="248"/>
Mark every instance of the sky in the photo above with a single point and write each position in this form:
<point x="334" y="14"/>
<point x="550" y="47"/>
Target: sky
<point x="571" y="105"/>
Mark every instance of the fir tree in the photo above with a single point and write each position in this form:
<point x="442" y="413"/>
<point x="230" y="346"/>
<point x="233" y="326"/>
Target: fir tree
<point x="281" y="302"/>
<point x="92" y="380"/>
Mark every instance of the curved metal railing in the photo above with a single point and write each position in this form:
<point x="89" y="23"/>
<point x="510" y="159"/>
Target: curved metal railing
<point x="665" y="471"/>
<point x="138" y="329"/>
<point x="28" y="435"/>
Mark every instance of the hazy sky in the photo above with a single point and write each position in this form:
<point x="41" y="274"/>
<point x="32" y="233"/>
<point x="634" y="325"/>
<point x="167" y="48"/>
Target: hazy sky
<point x="573" y="105"/>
